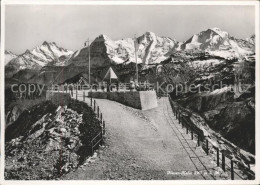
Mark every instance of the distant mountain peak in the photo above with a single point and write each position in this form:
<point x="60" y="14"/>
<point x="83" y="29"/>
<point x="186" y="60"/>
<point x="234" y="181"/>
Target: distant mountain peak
<point x="102" y="37"/>
<point x="45" y="43"/>
<point x="9" y="56"/>
<point x="216" y="29"/>
<point x="150" y="33"/>
<point x="220" y="32"/>
<point x="45" y="54"/>
<point x="27" y="52"/>
<point x="9" y="52"/>
<point x="151" y="49"/>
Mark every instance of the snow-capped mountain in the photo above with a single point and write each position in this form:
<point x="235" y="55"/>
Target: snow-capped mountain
<point x="9" y="56"/>
<point x="151" y="49"/>
<point x="46" y="54"/>
<point x="104" y="51"/>
<point x="210" y="39"/>
<point x="218" y="42"/>
<point x="251" y="39"/>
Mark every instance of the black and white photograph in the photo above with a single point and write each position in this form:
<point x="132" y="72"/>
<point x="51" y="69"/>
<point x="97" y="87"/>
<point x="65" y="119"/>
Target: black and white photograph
<point x="129" y="90"/>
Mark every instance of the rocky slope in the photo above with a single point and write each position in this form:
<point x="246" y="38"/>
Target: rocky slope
<point x="51" y="142"/>
<point x="230" y="110"/>
<point x="9" y="56"/>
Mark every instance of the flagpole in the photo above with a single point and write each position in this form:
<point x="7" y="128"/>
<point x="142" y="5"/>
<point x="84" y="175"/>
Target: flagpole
<point x="88" y="62"/>
<point x="136" y="59"/>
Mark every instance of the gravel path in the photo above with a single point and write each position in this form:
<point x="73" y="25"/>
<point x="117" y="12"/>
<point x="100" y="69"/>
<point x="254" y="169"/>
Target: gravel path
<point x="145" y="145"/>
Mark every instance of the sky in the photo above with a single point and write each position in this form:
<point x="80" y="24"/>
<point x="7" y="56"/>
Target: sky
<point x="27" y="26"/>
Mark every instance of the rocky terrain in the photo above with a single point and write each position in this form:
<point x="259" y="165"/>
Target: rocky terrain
<point x="228" y="109"/>
<point x="211" y="57"/>
<point x="51" y="142"/>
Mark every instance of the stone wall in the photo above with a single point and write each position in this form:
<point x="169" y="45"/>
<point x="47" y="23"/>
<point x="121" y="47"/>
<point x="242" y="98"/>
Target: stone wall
<point x="137" y="99"/>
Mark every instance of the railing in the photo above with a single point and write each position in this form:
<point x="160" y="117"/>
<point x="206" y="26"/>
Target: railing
<point x="208" y="145"/>
<point x="121" y="87"/>
<point x="99" y="138"/>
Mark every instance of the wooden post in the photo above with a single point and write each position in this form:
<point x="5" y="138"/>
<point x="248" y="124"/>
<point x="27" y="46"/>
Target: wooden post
<point x="83" y="95"/>
<point x="217" y="156"/>
<point x="223" y="161"/>
<point x="94" y="105"/>
<point x="187" y="129"/>
<point x="92" y="150"/>
<point x="91" y="100"/>
<point x="207" y="146"/>
<point x="102" y="139"/>
<point x="76" y="92"/>
<point x="104" y="126"/>
<point x="101" y="117"/>
<point x="98" y="111"/>
<point x="198" y="140"/>
<point x="191" y="134"/>
<point x="232" y="169"/>
<point x="179" y="117"/>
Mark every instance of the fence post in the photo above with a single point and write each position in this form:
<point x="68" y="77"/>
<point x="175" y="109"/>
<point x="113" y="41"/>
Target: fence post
<point x="98" y="111"/>
<point x="223" y="161"/>
<point x="91" y="100"/>
<point x="101" y="117"/>
<point x="94" y="105"/>
<point x="102" y="139"/>
<point x="187" y="129"/>
<point x="179" y="117"/>
<point x="92" y="152"/>
<point x="207" y="146"/>
<point x="104" y="126"/>
<point x="217" y="156"/>
<point x="198" y="140"/>
<point x="248" y="165"/>
<point x="191" y="134"/>
<point x="76" y="93"/>
<point x="83" y="95"/>
<point x="232" y="169"/>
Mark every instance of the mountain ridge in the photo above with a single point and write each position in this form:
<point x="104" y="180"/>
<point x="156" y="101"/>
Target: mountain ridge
<point x="151" y="49"/>
<point x="45" y="54"/>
